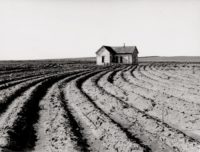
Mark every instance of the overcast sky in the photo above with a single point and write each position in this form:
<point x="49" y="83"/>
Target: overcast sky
<point x="36" y="29"/>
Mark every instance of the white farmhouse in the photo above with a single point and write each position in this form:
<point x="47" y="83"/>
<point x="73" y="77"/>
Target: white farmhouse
<point x="121" y="55"/>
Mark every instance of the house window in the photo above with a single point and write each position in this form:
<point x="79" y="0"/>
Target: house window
<point x="103" y="59"/>
<point x="113" y="59"/>
<point x="121" y="59"/>
<point x="116" y="59"/>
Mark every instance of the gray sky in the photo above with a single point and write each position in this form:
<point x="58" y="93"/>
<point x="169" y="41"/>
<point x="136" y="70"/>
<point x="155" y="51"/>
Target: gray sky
<point x="33" y="29"/>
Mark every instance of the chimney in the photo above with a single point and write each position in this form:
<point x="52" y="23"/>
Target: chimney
<point x="124" y="45"/>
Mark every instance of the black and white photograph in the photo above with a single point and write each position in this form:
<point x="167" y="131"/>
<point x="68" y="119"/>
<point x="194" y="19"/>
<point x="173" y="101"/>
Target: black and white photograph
<point x="99" y="75"/>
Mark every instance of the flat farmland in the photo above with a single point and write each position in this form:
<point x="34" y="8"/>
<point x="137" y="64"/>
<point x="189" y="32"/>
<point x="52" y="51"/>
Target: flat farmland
<point x="65" y="106"/>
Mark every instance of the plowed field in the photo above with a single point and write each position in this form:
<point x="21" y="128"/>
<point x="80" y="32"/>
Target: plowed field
<point x="82" y="107"/>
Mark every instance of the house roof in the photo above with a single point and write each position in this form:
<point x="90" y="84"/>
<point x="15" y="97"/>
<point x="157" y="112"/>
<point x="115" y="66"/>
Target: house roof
<point x="120" y="49"/>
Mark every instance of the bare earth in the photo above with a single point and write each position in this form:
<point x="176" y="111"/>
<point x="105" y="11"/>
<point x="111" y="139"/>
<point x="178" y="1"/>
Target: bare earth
<point x="64" y="106"/>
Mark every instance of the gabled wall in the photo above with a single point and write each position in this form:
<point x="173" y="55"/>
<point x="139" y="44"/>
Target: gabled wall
<point x="106" y="54"/>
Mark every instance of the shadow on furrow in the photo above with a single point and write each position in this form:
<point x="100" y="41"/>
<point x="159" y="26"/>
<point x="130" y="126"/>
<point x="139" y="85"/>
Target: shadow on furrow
<point x="21" y="79"/>
<point x="19" y="82"/>
<point x="23" y="135"/>
<point x="4" y="105"/>
<point x="159" y="121"/>
<point x="128" y="134"/>
<point x="81" y="142"/>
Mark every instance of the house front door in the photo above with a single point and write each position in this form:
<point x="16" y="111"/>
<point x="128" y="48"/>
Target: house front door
<point x="121" y="59"/>
<point x="116" y="59"/>
<point x="103" y="59"/>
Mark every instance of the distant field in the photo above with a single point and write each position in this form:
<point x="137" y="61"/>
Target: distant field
<point x="92" y="60"/>
<point x="153" y="59"/>
<point x="45" y="64"/>
<point x="157" y="59"/>
<point x="170" y="59"/>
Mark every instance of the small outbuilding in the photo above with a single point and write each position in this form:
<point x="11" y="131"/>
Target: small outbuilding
<point x="117" y="55"/>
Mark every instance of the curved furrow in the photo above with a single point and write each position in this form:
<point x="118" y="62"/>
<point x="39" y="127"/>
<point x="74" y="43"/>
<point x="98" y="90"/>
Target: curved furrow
<point x="176" y="91"/>
<point x="187" y="72"/>
<point x="141" y="102"/>
<point x="111" y="76"/>
<point x="17" y="123"/>
<point x="177" y="76"/>
<point x="101" y="132"/>
<point x="33" y="74"/>
<point x="174" y="77"/>
<point x="57" y="129"/>
<point x="180" y="84"/>
<point x="17" y="82"/>
<point x="115" y="109"/>
<point x="177" y="113"/>
<point x="135" y="74"/>
<point x="182" y="74"/>
<point x="145" y="89"/>
<point x="9" y="121"/>
<point x="9" y="94"/>
<point x="14" y="79"/>
<point x="17" y="76"/>
<point x="11" y="71"/>
<point x="167" y="133"/>
<point x="124" y="115"/>
<point x="133" y="79"/>
<point x="138" y="79"/>
<point x="25" y="74"/>
<point x="172" y="91"/>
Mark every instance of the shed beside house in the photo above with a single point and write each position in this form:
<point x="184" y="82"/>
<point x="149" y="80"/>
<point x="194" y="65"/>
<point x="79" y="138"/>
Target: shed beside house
<point x="120" y="55"/>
